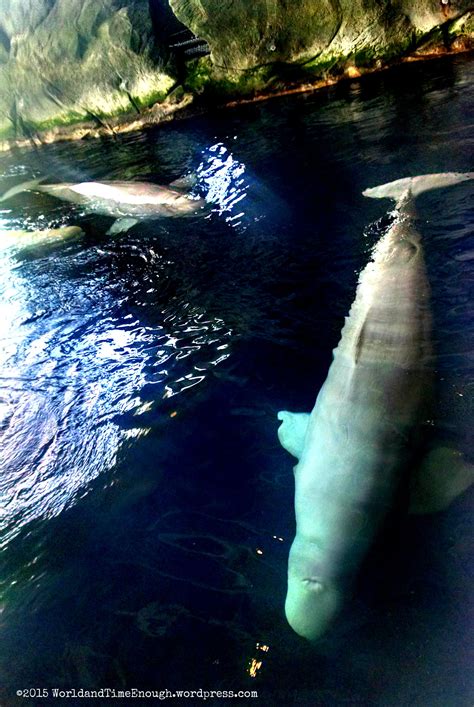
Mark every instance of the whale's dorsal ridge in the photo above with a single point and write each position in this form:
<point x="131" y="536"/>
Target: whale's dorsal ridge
<point x="361" y="338"/>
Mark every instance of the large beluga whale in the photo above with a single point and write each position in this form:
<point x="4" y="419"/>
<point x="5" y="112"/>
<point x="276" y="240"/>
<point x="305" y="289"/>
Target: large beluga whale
<point x="128" y="202"/>
<point x="357" y="445"/>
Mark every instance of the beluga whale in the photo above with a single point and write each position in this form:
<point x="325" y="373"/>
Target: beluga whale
<point x="22" y="238"/>
<point x="128" y="202"/>
<point x="357" y="444"/>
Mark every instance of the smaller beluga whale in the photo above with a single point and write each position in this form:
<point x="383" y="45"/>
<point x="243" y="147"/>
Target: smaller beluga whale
<point x="357" y="445"/>
<point x="21" y="238"/>
<point x="127" y="202"/>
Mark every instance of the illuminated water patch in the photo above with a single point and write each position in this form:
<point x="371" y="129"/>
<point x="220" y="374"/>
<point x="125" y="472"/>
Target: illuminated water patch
<point x="222" y="179"/>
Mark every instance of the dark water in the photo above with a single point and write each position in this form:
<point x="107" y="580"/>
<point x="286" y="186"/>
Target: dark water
<point x="147" y="507"/>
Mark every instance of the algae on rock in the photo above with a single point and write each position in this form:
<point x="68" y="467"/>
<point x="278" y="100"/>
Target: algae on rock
<point x="315" y="35"/>
<point x="107" y="61"/>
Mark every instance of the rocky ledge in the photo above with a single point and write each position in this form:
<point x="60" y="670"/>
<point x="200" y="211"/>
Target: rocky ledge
<point x="76" y="68"/>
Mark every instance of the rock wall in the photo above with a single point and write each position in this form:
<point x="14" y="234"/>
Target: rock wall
<point x="62" y="61"/>
<point x="316" y="34"/>
<point x="66" y="61"/>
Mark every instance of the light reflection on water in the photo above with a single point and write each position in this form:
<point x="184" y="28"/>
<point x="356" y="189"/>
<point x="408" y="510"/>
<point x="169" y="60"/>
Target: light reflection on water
<point x="71" y="367"/>
<point x="221" y="177"/>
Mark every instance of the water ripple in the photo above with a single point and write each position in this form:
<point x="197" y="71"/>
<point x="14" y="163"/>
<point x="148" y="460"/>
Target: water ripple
<point x="74" y="361"/>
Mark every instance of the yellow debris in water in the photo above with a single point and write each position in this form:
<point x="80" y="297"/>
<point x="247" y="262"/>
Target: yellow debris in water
<point x="254" y="667"/>
<point x="263" y="648"/>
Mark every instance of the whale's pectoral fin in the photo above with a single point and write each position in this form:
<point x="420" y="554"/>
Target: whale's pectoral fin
<point x="443" y="476"/>
<point x="292" y="432"/>
<point x="121" y="225"/>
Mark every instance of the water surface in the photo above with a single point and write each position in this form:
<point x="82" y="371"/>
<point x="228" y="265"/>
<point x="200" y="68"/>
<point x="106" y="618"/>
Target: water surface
<point x="147" y="507"/>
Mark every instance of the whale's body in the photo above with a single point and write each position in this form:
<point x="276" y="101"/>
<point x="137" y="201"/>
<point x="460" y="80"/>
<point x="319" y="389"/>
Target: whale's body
<point x="21" y="238"/>
<point x="355" y="446"/>
<point x="126" y="201"/>
<point x="120" y="199"/>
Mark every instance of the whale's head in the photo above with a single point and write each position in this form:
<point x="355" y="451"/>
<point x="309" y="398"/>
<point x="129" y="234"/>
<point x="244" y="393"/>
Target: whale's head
<point x="178" y="204"/>
<point x="311" y="606"/>
<point x="313" y="597"/>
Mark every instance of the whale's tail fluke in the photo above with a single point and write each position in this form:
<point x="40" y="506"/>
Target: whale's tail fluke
<point x="410" y="187"/>
<point x="19" y="188"/>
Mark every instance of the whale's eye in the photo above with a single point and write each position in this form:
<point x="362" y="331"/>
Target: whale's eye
<point x="313" y="584"/>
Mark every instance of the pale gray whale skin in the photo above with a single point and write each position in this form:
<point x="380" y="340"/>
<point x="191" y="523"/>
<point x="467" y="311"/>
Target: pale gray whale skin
<point x="355" y="446"/>
<point x="21" y="238"/>
<point x="127" y="201"/>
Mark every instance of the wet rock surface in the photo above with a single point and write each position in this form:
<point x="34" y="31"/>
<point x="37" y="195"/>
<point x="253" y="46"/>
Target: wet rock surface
<point x="103" y="64"/>
<point x="62" y="61"/>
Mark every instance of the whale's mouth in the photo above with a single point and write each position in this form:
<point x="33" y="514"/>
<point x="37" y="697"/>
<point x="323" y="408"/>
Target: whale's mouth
<point x="313" y="584"/>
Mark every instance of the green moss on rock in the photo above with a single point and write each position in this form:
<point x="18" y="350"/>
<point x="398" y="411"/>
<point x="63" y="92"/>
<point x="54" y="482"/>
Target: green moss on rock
<point x="318" y="37"/>
<point x="198" y="75"/>
<point x="64" y="61"/>
<point x="463" y="25"/>
<point x="203" y="79"/>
